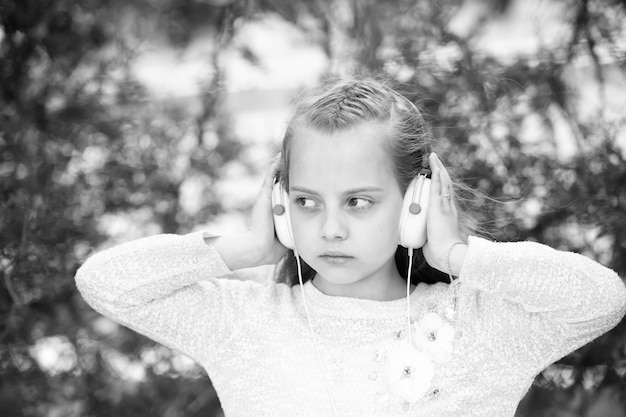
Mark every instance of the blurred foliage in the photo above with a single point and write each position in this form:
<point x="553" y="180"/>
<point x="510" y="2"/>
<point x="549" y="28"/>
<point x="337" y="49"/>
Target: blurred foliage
<point x="82" y="142"/>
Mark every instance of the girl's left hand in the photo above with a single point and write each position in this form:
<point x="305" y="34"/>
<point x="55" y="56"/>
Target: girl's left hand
<point x="442" y="222"/>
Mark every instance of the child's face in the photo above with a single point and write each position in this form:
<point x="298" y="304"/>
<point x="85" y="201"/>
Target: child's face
<point x="345" y="208"/>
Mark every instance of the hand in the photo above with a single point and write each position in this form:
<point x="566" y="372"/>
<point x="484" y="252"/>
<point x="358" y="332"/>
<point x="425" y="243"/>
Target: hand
<point x="258" y="245"/>
<point x="261" y="227"/>
<point x="442" y="221"/>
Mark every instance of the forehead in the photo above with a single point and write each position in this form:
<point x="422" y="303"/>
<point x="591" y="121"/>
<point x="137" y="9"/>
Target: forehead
<point x="355" y="157"/>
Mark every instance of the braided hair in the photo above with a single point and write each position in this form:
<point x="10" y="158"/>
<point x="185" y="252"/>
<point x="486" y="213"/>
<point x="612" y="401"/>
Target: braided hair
<point x="345" y="104"/>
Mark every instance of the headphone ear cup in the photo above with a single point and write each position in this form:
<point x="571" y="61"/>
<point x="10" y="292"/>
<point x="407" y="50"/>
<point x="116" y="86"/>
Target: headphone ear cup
<point x="412" y="227"/>
<point x="280" y="213"/>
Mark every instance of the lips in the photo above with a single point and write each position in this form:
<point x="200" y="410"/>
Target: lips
<point x="335" y="258"/>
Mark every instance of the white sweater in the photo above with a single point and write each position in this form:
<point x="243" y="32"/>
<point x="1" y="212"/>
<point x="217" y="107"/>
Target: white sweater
<point x="521" y="306"/>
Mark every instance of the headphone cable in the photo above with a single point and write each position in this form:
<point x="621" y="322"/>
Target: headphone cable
<point x="317" y="349"/>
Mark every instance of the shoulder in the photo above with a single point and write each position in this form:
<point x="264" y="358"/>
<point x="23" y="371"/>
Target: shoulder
<point x="433" y="297"/>
<point x="248" y="288"/>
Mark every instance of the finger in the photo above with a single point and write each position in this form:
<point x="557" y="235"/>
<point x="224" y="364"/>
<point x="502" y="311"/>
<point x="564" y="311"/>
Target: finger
<point x="444" y="195"/>
<point x="261" y="219"/>
<point x="435" y="183"/>
<point x="445" y="175"/>
<point x="268" y="181"/>
<point x="447" y="188"/>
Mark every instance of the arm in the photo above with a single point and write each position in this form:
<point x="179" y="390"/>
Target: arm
<point x="163" y="287"/>
<point x="530" y="304"/>
<point x="540" y="304"/>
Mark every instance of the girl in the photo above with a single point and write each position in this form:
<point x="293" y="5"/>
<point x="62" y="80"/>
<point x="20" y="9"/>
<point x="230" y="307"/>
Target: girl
<point x="358" y="328"/>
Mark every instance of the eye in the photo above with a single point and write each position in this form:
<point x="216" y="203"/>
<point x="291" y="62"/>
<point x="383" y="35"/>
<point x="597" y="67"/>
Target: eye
<point x="306" y="203"/>
<point x="359" y="203"/>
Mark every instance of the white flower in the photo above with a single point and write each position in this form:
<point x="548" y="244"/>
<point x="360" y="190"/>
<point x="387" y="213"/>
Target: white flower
<point x="409" y="372"/>
<point x="435" y="337"/>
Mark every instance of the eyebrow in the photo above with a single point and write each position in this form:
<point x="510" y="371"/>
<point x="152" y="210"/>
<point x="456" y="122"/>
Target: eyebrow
<point x="370" y="189"/>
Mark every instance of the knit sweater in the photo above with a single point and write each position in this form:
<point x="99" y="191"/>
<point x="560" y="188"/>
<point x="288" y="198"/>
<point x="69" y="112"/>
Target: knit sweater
<point x="520" y="307"/>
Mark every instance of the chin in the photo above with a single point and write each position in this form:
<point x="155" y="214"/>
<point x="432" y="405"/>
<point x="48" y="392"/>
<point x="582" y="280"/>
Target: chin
<point x="338" y="276"/>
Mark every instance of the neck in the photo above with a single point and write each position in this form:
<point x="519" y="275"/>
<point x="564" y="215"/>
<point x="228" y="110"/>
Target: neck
<point x="388" y="287"/>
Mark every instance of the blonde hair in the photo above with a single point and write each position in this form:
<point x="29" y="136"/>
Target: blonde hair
<point x="340" y="105"/>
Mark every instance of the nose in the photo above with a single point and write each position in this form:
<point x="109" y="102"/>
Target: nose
<point x="333" y="226"/>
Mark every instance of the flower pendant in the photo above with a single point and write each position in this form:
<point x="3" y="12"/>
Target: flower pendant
<point x="408" y="371"/>
<point x="435" y="337"/>
<point x="410" y="364"/>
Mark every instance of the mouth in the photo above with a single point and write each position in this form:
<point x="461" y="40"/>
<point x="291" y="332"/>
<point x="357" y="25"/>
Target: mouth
<point x="335" y="258"/>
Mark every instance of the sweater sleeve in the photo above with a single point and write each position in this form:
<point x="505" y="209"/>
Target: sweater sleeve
<point x="164" y="287"/>
<point x="536" y="304"/>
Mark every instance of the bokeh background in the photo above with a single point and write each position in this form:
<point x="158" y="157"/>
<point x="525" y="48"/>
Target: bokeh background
<point x="126" y="118"/>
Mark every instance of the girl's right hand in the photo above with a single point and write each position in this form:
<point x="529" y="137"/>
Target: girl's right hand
<point x="258" y="245"/>
<point x="261" y="227"/>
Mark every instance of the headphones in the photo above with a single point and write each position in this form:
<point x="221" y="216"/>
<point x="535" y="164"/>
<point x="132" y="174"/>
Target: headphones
<point x="412" y="225"/>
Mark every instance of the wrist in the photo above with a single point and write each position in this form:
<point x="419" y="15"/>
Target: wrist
<point x="455" y="258"/>
<point x="237" y="251"/>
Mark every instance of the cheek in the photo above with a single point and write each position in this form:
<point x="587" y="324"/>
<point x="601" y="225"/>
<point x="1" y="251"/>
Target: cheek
<point x="392" y="216"/>
<point x="389" y="230"/>
<point x="301" y="228"/>
<point x="389" y="226"/>
<point x="383" y="231"/>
